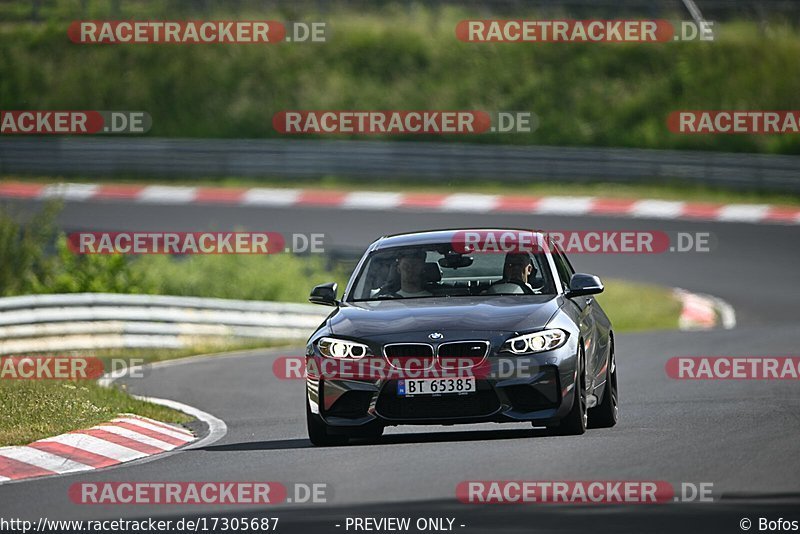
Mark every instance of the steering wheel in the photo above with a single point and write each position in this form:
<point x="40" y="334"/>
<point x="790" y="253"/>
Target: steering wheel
<point x="526" y="289"/>
<point x="387" y="291"/>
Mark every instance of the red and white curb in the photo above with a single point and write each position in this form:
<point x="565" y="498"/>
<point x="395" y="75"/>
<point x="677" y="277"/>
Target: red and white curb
<point x="124" y="439"/>
<point x="704" y="312"/>
<point x="127" y="438"/>
<point x="381" y="201"/>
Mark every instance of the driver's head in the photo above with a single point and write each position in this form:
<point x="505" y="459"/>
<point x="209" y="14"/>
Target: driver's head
<point x="410" y="263"/>
<point x="518" y="266"/>
<point x="380" y="271"/>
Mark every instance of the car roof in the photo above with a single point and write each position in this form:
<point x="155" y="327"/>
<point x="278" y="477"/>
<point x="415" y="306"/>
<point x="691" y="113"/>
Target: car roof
<point x="430" y="237"/>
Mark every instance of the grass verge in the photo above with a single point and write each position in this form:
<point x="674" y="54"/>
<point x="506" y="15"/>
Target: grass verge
<point x="31" y="410"/>
<point x="634" y="307"/>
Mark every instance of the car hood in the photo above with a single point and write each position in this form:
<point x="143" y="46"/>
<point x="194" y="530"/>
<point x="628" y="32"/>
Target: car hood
<point x="500" y="313"/>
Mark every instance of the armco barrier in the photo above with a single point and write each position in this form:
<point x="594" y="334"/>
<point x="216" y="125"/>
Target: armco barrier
<point x="435" y="162"/>
<point x="83" y="321"/>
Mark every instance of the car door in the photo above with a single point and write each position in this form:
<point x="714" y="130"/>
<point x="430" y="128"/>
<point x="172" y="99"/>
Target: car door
<point x="587" y="320"/>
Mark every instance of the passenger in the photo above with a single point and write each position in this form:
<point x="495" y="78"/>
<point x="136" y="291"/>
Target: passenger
<point x="517" y="270"/>
<point x="411" y="266"/>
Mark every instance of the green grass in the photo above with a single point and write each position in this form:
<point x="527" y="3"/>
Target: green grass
<point x="278" y="277"/>
<point x="634" y="307"/>
<point x="31" y="410"/>
<point x="35" y="259"/>
<point x="407" y="57"/>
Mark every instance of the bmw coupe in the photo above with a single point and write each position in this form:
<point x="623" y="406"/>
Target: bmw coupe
<point x="461" y="326"/>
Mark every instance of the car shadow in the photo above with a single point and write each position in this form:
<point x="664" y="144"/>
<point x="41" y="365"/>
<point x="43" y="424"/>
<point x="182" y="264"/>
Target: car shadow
<point x="276" y="445"/>
<point x="462" y="435"/>
<point x="390" y="439"/>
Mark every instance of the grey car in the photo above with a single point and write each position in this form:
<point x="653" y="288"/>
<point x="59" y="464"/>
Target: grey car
<point x="455" y="332"/>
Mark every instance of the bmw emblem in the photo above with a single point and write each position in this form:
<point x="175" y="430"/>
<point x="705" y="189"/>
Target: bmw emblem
<point x="435" y="335"/>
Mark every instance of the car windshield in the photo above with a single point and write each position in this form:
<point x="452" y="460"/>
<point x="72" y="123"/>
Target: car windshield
<point x="438" y="271"/>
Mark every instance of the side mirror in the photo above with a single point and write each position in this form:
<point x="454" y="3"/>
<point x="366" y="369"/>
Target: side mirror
<point x="324" y="294"/>
<point x="584" y="284"/>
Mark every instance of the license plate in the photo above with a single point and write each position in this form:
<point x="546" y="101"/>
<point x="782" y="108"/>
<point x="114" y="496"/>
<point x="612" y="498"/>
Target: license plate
<point x="435" y="386"/>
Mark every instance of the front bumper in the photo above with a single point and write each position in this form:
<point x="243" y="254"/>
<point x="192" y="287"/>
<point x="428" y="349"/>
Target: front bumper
<point x="533" y="388"/>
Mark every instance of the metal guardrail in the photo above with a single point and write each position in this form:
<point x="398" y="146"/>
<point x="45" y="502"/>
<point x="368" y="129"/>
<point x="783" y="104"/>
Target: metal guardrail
<point x="38" y="9"/>
<point x="435" y="162"/>
<point x="81" y="321"/>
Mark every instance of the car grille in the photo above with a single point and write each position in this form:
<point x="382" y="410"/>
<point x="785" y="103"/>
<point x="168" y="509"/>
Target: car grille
<point x="409" y="356"/>
<point x="482" y="402"/>
<point x="462" y="354"/>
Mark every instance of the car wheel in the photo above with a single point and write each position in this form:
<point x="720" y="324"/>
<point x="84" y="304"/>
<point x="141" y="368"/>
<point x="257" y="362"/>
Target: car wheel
<point x="574" y="423"/>
<point x="605" y="414"/>
<point x="318" y="431"/>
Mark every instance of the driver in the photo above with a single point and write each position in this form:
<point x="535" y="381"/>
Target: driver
<point x="517" y="269"/>
<point x="411" y="266"/>
<point x="381" y="273"/>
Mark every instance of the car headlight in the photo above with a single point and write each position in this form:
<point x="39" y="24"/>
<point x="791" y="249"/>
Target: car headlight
<point x="341" y="348"/>
<point x="535" y="342"/>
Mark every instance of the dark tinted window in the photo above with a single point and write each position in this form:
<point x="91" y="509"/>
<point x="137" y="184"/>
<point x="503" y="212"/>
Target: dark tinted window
<point x="439" y="272"/>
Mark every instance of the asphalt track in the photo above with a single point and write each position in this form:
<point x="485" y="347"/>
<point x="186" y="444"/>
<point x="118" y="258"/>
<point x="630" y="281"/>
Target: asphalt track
<point x="742" y="436"/>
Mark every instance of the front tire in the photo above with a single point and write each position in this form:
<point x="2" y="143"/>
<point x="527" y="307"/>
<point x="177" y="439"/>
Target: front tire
<point x="575" y="422"/>
<point x="606" y="414"/>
